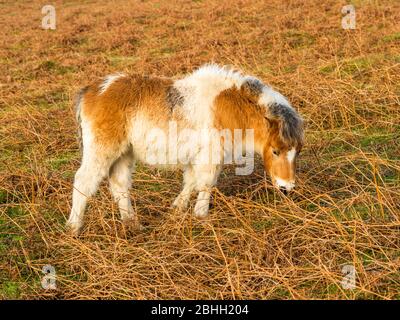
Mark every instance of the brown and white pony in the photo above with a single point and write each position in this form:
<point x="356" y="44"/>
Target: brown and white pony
<point x="118" y="114"/>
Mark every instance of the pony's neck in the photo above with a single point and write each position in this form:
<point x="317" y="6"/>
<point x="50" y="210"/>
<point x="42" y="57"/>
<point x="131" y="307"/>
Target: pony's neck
<point x="236" y="110"/>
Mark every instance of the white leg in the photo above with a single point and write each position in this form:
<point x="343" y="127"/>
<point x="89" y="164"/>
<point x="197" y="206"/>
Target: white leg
<point x="182" y="200"/>
<point x="206" y="177"/>
<point x="120" y="182"/>
<point x="87" y="180"/>
<point x="202" y="204"/>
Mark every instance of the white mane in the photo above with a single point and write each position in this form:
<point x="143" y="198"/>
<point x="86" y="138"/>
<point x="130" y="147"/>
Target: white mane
<point x="200" y="88"/>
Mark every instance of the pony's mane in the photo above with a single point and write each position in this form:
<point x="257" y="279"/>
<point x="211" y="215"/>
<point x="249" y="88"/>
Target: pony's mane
<point x="215" y="78"/>
<point x="290" y="123"/>
<point x="277" y="106"/>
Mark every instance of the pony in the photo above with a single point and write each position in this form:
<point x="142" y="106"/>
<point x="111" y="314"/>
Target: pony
<point x="126" y="118"/>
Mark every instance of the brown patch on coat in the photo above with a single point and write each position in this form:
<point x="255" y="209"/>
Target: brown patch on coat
<point x="239" y="109"/>
<point x="110" y="113"/>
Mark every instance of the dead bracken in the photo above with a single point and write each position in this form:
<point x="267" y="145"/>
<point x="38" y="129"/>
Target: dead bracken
<point x="256" y="243"/>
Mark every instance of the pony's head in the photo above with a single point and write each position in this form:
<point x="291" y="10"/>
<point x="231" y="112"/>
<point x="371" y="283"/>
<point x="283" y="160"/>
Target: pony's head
<point x="282" y="144"/>
<point x="280" y="137"/>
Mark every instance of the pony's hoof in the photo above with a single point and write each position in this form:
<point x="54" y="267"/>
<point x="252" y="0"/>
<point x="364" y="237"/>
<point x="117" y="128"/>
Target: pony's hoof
<point x="201" y="211"/>
<point x="73" y="228"/>
<point x="180" y="205"/>
<point x="132" y="224"/>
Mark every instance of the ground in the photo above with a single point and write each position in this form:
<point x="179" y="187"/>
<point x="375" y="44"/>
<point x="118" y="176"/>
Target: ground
<point x="257" y="243"/>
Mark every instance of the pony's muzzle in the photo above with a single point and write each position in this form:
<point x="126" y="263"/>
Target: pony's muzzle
<point x="284" y="185"/>
<point x="283" y="190"/>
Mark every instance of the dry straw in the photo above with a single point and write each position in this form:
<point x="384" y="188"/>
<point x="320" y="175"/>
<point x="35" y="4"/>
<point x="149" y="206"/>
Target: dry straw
<point x="257" y="244"/>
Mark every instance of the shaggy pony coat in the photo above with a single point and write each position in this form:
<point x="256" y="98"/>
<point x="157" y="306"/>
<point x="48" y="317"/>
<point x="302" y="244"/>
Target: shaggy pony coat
<point x="118" y="116"/>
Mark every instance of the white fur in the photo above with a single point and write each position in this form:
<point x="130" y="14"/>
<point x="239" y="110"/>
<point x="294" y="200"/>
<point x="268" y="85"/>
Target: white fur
<point x="108" y="81"/>
<point x="291" y="154"/>
<point x="199" y="91"/>
<point x="87" y="178"/>
<point x="280" y="183"/>
<point x="270" y="96"/>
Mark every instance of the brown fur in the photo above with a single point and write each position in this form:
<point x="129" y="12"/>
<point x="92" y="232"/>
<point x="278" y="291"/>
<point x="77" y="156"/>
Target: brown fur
<point x="110" y="112"/>
<point x="234" y="108"/>
<point x="278" y="165"/>
<point x="238" y="109"/>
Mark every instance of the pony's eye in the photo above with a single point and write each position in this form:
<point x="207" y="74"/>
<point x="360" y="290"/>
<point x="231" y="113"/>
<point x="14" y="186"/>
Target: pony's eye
<point x="276" y="152"/>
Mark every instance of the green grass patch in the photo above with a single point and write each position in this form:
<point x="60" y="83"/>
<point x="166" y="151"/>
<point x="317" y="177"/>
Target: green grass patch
<point x="9" y="231"/>
<point x="6" y="154"/>
<point x="61" y="160"/>
<point x="10" y="290"/>
<point x="164" y="52"/>
<point x="3" y="248"/>
<point x="152" y="186"/>
<point x="54" y="67"/>
<point x="289" y="68"/>
<point x="196" y="231"/>
<point x="376" y="138"/>
<point x="361" y="211"/>
<point x="311" y="207"/>
<point x="51" y="100"/>
<point x="391" y="177"/>
<point x="281" y="293"/>
<point x="16" y="211"/>
<point x="380" y="140"/>
<point x="121" y="61"/>
<point x="296" y="39"/>
<point x="330" y="68"/>
<point x="3" y="196"/>
<point x="333" y="290"/>
<point x="261" y="225"/>
<point x="357" y="65"/>
<point x="338" y="147"/>
<point x="392" y="37"/>
<point x="350" y="67"/>
<point x="68" y="174"/>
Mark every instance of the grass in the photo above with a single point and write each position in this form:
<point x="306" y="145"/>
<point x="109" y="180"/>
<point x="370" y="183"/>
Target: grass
<point x="392" y="37"/>
<point x="257" y="243"/>
<point x="10" y="290"/>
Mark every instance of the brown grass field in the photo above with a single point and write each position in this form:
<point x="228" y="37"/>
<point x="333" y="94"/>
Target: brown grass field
<point x="257" y="243"/>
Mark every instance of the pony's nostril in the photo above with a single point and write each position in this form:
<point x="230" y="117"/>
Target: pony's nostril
<point x="283" y="190"/>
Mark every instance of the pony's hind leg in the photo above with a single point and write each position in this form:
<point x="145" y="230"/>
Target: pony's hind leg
<point x="120" y="182"/>
<point x="95" y="167"/>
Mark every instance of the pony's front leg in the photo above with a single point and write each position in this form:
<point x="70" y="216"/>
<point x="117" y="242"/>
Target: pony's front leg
<point x="206" y="177"/>
<point x="189" y="183"/>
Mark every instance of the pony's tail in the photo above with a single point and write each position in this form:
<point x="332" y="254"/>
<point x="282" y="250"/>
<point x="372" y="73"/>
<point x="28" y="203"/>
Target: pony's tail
<point x="78" y="109"/>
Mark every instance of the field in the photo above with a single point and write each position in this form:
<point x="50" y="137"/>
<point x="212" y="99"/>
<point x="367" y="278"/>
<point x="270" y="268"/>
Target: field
<point x="257" y="243"/>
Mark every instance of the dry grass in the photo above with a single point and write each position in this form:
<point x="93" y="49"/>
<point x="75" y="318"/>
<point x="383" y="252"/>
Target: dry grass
<point x="257" y="244"/>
